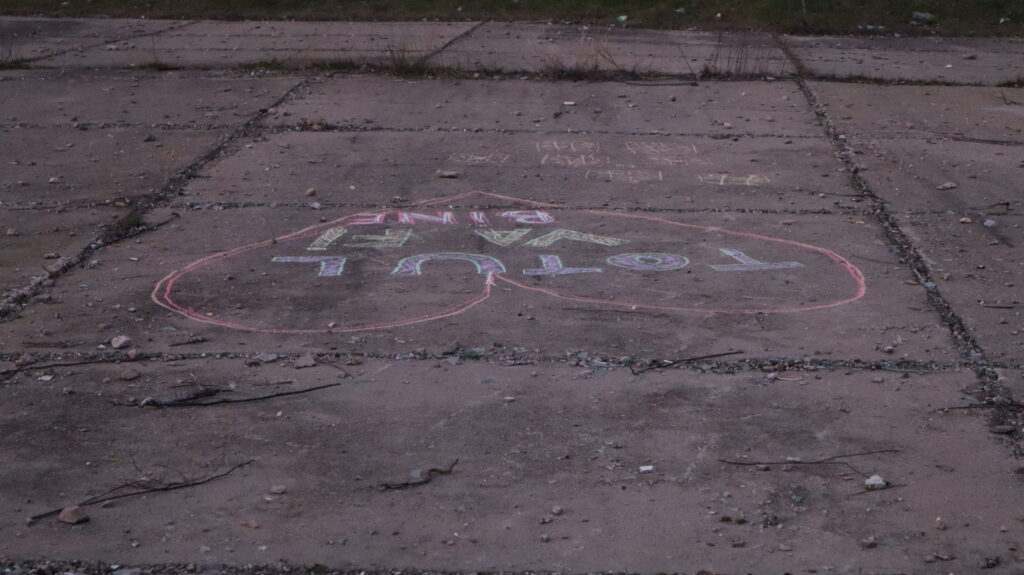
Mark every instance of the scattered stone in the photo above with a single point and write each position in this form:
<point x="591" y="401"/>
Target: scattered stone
<point x="45" y="378"/>
<point x="868" y="543"/>
<point x="447" y="174"/>
<point x="11" y="232"/>
<point x="990" y="562"/>
<point x="73" y="515"/>
<point x="557" y="510"/>
<point x="965" y="220"/>
<point x="947" y="186"/>
<point x="305" y="361"/>
<point x="877" y="379"/>
<point x="1002" y="429"/>
<point x="923" y="17"/>
<point x="267" y="357"/>
<point x="311" y="192"/>
<point x="568" y="103"/>
<point x="763" y="467"/>
<point x="545" y="538"/>
<point x="646" y="469"/>
<point x="940" y="524"/>
<point x="278" y="489"/>
<point x="875" y="482"/>
<point x="51" y="256"/>
<point x="120" y="342"/>
<point x="989" y="223"/>
<point x="129" y="375"/>
<point x="250" y="523"/>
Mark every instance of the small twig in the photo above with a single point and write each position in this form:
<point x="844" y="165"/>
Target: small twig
<point x="421" y="480"/>
<point x="16" y="370"/>
<point x="192" y="400"/>
<point x="825" y="461"/>
<point x="338" y="367"/>
<point x="656" y="363"/>
<point x="110" y="496"/>
<point x="998" y="306"/>
<point x="189" y="341"/>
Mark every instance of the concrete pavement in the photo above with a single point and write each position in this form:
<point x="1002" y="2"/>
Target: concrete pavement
<point x="633" y="322"/>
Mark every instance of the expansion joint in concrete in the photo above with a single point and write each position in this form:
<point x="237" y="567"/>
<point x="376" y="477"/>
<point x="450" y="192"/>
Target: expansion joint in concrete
<point x="966" y="343"/>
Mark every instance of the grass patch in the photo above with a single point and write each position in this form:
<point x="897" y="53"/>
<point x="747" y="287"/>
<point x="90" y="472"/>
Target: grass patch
<point x="952" y="17"/>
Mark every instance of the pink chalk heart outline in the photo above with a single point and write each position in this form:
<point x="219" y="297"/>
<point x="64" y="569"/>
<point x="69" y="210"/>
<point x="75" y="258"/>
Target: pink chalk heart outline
<point x="168" y="294"/>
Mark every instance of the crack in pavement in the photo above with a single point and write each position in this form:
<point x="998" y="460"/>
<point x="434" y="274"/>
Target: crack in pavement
<point x="963" y="338"/>
<point x="16" y="299"/>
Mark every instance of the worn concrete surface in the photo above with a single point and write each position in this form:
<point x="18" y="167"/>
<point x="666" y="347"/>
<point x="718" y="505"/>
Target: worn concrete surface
<point x="549" y="472"/>
<point x="208" y="44"/>
<point x="36" y="38"/>
<point x="513" y="46"/>
<point x="984" y="114"/>
<point x="488" y="269"/>
<point x="985" y="61"/>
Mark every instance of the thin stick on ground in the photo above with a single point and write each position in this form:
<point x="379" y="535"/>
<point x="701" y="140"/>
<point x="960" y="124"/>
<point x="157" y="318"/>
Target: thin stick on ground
<point x="111" y="494"/>
<point x="834" y="460"/>
<point x="194" y="400"/>
<point x="7" y="373"/>
<point x="656" y="363"/>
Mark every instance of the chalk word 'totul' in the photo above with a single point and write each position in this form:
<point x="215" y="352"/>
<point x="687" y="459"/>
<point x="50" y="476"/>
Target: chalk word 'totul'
<point x="551" y="265"/>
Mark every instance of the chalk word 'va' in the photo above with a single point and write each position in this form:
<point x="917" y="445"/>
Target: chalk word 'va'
<point x="551" y="265"/>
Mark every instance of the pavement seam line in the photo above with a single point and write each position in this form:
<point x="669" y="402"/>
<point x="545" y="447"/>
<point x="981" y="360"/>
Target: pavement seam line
<point x="458" y="38"/>
<point x="965" y="341"/>
<point x="18" y="298"/>
<point x="127" y="38"/>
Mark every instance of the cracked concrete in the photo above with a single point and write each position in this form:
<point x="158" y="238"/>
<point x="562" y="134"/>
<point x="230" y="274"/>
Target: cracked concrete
<point x="240" y="226"/>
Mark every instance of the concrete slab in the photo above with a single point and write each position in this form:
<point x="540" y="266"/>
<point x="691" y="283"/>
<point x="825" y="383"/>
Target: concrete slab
<point x="551" y="474"/>
<point x="939" y="175"/>
<point x="36" y="240"/>
<point x="979" y="269"/>
<point x="219" y="44"/>
<point x="584" y="170"/>
<point x="971" y="113"/>
<point x="986" y="61"/>
<point x="518" y="46"/>
<point x="55" y="166"/>
<point x="718" y="108"/>
<point x="33" y="38"/>
<point x="618" y="283"/>
<point x="178" y="99"/>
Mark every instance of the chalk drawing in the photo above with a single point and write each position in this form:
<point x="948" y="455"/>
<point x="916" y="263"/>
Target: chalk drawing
<point x="553" y="267"/>
<point x="661" y="148"/>
<point x="503" y="238"/>
<point x="667" y="153"/>
<point x="390" y="240"/>
<point x="748" y="263"/>
<point x="579" y="161"/>
<point x="478" y="159"/>
<point x="558" y="235"/>
<point x="730" y="180"/>
<point x="367" y="219"/>
<point x="192" y="290"/>
<point x="330" y="267"/>
<point x="327" y="238"/>
<point x="649" y="262"/>
<point x="529" y="217"/>
<point x="628" y="176"/>
<point x="447" y="218"/>
<point x="575" y="146"/>
<point x="479" y="218"/>
<point x="485" y="265"/>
